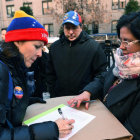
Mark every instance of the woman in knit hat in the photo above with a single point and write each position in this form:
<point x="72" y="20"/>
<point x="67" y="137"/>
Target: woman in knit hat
<point x="24" y="41"/>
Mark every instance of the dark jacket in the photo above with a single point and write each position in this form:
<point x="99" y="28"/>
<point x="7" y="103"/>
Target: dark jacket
<point x="1" y="42"/>
<point x="39" y="68"/>
<point x="124" y="102"/>
<point x="40" y="131"/>
<point x="72" y="66"/>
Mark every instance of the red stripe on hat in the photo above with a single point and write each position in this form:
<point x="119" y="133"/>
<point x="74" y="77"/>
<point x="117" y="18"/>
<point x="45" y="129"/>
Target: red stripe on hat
<point x="27" y="34"/>
<point x="80" y="19"/>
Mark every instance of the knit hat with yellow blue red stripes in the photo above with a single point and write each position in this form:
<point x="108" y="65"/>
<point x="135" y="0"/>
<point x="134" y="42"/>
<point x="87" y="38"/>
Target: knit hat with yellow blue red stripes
<point x="24" y="27"/>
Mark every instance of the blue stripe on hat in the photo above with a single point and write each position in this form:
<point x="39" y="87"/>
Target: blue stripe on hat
<point x="24" y="23"/>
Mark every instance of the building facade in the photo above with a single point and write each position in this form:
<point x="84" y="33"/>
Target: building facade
<point x="43" y="9"/>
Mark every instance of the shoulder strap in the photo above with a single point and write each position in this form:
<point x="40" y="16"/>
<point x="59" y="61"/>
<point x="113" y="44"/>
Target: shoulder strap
<point x="10" y="86"/>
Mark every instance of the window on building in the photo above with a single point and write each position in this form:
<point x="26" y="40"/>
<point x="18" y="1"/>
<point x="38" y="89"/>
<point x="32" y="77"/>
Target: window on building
<point x="122" y="4"/>
<point x="93" y="28"/>
<point x="118" y="4"/>
<point x="49" y="28"/>
<point x="113" y="26"/>
<point x="97" y="1"/>
<point x="115" y="4"/>
<point x="27" y="4"/>
<point x="10" y="10"/>
<point x="90" y="28"/>
<point x="46" y="5"/>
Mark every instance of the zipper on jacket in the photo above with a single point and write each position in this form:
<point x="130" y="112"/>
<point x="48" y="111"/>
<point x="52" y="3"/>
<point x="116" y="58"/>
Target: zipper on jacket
<point x="105" y="97"/>
<point x="70" y="44"/>
<point x="118" y="81"/>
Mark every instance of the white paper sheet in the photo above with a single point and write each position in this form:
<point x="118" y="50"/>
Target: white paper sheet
<point x="81" y="118"/>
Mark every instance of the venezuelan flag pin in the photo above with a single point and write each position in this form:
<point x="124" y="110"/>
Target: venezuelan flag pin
<point x="18" y="92"/>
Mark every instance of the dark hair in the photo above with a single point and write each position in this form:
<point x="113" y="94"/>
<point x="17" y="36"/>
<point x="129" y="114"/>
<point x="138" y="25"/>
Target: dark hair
<point x="4" y="29"/>
<point x="132" y="22"/>
<point x="80" y="24"/>
<point x="9" y="49"/>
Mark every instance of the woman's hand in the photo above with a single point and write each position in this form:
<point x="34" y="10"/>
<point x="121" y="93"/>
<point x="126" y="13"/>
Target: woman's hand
<point x="64" y="126"/>
<point x="76" y="101"/>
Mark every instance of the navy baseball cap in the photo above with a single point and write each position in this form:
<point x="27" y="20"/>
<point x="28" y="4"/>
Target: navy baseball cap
<point x="72" y="17"/>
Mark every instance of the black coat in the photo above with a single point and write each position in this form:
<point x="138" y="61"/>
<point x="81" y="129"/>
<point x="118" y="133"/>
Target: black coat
<point x="39" y="68"/>
<point x="124" y="102"/>
<point x="72" y="66"/>
<point x="40" y="131"/>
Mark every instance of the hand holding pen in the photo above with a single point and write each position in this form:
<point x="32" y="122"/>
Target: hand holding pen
<point x="65" y="126"/>
<point x="82" y="98"/>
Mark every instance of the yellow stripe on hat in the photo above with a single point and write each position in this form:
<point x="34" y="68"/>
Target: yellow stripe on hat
<point x="20" y="13"/>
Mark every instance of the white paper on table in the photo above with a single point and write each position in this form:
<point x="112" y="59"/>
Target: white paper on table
<point x="81" y="118"/>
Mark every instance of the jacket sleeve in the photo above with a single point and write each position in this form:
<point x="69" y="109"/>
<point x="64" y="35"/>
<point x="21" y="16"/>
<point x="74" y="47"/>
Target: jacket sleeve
<point x="132" y="123"/>
<point x="99" y="64"/>
<point x="4" y="78"/>
<point x="51" y="75"/>
<point x="40" y="131"/>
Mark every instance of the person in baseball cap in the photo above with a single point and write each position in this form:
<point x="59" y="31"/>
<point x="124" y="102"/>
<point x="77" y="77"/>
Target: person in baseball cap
<point x="73" y="60"/>
<point x="72" y="25"/>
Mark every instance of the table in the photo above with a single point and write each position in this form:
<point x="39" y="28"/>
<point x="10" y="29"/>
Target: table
<point x="104" y="127"/>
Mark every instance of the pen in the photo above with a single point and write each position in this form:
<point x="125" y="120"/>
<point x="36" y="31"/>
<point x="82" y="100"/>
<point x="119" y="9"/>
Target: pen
<point x="61" y="113"/>
<point x="90" y="101"/>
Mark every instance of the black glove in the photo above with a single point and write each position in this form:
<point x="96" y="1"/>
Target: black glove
<point x="33" y="100"/>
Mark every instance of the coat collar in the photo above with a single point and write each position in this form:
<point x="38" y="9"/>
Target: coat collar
<point x="82" y="38"/>
<point x="121" y="91"/>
